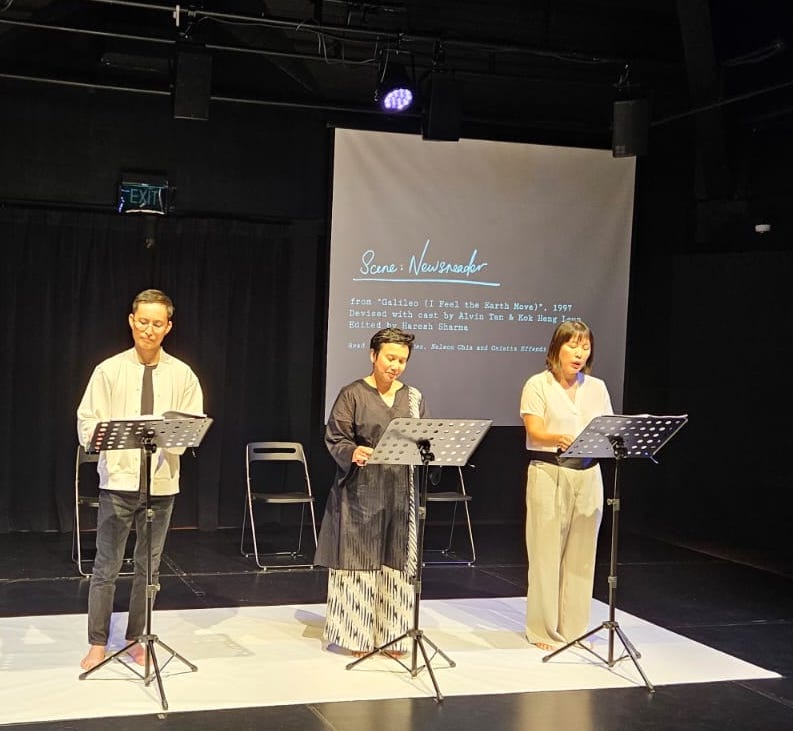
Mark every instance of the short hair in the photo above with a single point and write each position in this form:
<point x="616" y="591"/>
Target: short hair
<point x="391" y="335"/>
<point x="153" y="296"/>
<point x="564" y="333"/>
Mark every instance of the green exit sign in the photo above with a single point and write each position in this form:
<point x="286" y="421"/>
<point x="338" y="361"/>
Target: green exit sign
<point x="143" y="194"/>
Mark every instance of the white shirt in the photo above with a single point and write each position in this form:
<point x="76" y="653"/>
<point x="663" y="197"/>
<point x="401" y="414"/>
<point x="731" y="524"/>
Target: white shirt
<point x="545" y="397"/>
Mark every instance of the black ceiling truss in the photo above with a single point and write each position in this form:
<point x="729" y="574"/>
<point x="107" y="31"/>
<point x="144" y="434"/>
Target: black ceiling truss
<point x="300" y="49"/>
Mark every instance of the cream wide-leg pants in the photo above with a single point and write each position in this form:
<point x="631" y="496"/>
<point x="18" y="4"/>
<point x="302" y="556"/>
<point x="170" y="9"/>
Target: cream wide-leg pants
<point x="564" y="508"/>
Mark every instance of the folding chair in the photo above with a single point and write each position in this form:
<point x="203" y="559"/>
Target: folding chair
<point x="454" y="498"/>
<point x="279" y="485"/>
<point x="86" y="506"/>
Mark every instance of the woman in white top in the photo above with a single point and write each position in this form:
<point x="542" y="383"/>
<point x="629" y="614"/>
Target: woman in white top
<point x="564" y="498"/>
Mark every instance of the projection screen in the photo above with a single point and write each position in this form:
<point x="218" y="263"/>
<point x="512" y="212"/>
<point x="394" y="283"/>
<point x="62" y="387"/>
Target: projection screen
<point x="479" y="248"/>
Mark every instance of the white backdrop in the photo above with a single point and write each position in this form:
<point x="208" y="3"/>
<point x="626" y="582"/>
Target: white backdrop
<point x="480" y="248"/>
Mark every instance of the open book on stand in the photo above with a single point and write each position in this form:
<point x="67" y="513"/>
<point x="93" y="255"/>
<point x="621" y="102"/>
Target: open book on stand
<point x="181" y="415"/>
<point x="166" y="415"/>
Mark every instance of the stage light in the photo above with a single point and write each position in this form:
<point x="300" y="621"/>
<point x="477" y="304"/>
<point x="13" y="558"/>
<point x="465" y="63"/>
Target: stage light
<point x="394" y="92"/>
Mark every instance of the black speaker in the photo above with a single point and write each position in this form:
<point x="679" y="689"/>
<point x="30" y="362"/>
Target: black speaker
<point x="442" y="117"/>
<point x="193" y="85"/>
<point x="629" y="131"/>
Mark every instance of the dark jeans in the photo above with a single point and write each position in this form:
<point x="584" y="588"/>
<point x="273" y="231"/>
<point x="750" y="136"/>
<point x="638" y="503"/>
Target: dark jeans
<point x="117" y="511"/>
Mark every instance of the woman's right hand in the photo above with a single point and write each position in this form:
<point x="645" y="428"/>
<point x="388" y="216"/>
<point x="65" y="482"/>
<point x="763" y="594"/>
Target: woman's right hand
<point x="361" y="454"/>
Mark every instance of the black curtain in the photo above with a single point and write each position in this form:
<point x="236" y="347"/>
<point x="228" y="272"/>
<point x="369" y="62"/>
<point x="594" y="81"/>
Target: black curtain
<point x="246" y="297"/>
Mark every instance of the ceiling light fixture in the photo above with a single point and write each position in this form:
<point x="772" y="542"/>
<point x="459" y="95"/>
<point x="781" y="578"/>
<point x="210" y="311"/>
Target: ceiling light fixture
<point x="395" y="91"/>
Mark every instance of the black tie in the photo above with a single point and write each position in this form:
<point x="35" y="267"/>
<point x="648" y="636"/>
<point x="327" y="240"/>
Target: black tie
<point x="146" y="407"/>
<point x="147" y="393"/>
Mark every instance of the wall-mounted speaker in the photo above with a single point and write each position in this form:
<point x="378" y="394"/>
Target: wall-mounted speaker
<point x="631" y="123"/>
<point x="193" y="85"/>
<point x="442" y="118"/>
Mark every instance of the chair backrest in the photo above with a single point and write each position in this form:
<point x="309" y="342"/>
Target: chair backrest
<point x="440" y="477"/>
<point x="86" y="483"/>
<point x="275" y="451"/>
<point x="82" y="458"/>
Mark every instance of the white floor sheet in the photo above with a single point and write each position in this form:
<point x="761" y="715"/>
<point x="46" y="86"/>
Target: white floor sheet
<point x="262" y="656"/>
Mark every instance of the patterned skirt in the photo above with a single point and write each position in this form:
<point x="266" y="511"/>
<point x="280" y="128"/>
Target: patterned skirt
<point x="367" y="609"/>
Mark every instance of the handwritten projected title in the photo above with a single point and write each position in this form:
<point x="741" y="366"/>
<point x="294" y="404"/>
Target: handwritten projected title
<point x="422" y="268"/>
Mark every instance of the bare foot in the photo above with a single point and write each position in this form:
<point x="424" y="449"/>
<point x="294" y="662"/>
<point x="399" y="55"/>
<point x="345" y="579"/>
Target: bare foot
<point x="544" y="646"/>
<point x="359" y="653"/>
<point x="138" y="653"/>
<point x="396" y="654"/>
<point x="96" y="653"/>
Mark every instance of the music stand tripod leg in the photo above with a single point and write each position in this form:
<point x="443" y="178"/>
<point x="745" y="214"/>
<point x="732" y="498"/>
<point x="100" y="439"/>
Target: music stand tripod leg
<point x="629" y="648"/>
<point x="174" y="654"/>
<point x="420" y="642"/>
<point x="151" y="657"/>
<point x="577" y="641"/>
<point x="414" y="669"/>
<point x="109" y="658"/>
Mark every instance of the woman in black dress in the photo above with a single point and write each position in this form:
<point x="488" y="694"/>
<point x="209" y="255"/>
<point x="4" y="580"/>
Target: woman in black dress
<point x="368" y="533"/>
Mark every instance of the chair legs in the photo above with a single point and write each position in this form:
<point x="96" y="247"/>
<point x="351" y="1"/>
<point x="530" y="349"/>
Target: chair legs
<point x="83" y="563"/>
<point x="249" y="524"/>
<point x="77" y="548"/>
<point x="448" y="555"/>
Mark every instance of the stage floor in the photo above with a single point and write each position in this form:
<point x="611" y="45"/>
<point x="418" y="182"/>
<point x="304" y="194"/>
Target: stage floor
<point x="273" y="656"/>
<point x="714" y="636"/>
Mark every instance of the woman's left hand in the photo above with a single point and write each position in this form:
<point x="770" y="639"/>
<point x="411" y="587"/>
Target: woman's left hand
<point x="564" y="441"/>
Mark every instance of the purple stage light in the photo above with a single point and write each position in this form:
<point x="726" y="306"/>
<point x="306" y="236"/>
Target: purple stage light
<point x="397" y="100"/>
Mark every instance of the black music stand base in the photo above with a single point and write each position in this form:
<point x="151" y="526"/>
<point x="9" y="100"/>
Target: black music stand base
<point x="147" y="676"/>
<point x="419" y="639"/>
<point x="613" y="629"/>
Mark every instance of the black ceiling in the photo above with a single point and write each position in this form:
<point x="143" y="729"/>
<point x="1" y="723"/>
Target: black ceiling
<point x="522" y="65"/>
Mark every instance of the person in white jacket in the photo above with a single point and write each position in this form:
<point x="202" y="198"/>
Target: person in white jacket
<point x="142" y="380"/>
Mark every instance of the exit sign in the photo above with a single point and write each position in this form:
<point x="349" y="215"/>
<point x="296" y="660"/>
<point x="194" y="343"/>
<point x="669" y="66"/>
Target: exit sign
<point x="143" y="194"/>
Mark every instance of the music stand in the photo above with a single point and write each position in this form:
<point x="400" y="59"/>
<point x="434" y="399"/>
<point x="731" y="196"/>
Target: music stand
<point x="424" y="442"/>
<point x="147" y="433"/>
<point x="619" y="437"/>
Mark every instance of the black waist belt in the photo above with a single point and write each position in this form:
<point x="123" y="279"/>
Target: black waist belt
<point x="571" y="463"/>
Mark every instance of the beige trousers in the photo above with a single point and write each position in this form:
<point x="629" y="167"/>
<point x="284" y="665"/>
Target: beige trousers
<point x="564" y="508"/>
